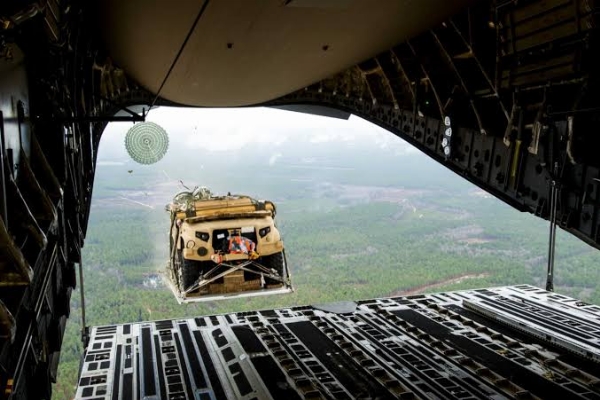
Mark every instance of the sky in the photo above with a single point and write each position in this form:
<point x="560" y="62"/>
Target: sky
<point x="221" y="130"/>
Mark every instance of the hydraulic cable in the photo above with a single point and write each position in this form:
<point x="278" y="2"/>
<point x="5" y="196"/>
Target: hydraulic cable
<point x="187" y="38"/>
<point x="552" y="236"/>
<point x="84" y="335"/>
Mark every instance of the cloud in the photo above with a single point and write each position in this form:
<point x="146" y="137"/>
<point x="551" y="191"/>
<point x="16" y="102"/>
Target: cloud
<point x="226" y="129"/>
<point x="274" y="158"/>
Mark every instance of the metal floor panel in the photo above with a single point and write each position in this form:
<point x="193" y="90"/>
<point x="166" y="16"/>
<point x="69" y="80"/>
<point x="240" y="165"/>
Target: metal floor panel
<point x="509" y="342"/>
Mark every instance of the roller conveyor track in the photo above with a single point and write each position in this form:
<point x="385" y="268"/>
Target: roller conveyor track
<point x="490" y="343"/>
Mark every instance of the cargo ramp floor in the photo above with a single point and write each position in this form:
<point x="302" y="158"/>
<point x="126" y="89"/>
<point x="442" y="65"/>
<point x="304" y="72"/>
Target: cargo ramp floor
<point x="509" y="342"/>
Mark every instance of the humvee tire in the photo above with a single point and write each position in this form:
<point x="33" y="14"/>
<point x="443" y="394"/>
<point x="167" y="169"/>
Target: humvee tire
<point x="189" y="271"/>
<point x="274" y="261"/>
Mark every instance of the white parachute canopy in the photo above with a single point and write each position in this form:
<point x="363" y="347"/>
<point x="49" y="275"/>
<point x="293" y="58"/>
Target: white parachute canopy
<point x="146" y="142"/>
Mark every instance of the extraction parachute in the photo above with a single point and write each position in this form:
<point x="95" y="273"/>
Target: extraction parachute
<point x="146" y="142"/>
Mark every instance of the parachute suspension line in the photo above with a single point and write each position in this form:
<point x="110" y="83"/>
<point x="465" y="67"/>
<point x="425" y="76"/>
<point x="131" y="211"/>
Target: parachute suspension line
<point x="187" y="38"/>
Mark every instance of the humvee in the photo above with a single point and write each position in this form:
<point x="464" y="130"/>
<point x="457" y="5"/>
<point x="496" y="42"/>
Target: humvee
<point x="223" y="247"/>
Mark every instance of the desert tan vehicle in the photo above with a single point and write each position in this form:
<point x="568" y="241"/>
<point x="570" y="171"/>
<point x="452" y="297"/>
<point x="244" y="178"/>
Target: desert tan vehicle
<point x="223" y="247"/>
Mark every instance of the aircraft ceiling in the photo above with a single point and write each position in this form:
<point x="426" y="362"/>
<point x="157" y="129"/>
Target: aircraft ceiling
<point x="245" y="52"/>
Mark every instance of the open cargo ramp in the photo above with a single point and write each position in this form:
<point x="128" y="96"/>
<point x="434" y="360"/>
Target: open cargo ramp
<point x="509" y="342"/>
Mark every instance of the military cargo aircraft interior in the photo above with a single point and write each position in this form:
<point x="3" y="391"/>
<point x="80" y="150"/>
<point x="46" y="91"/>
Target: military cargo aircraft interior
<point x="503" y="93"/>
